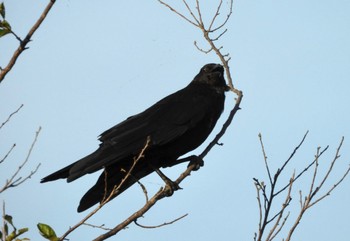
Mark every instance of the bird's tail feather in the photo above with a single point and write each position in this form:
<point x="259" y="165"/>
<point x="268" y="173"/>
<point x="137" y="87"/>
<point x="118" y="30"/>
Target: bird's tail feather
<point x="67" y="173"/>
<point x="63" y="173"/>
<point x="112" y="178"/>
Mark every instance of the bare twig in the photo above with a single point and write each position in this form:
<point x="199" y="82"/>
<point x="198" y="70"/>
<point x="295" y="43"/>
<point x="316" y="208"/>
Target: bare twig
<point x="9" y="117"/>
<point x="97" y="226"/>
<point x="181" y="15"/>
<point x="25" y="41"/>
<point x="3" y="229"/>
<point x="305" y="170"/>
<point x="293" y="153"/>
<point x="217" y="13"/>
<point x="14" y="180"/>
<point x="265" y="158"/>
<point x="198" y="22"/>
<point x="8" y="153"/>
<point x="305" y="203"/>
<point x="269" y="197"/>
<point x="259" y="205"/>
<point x="144" y="189"/>
<point x="160" y="225"/>
<point x="202" y="50"/>
<point x="277" y="227"/>
<point x="328" y="172"/>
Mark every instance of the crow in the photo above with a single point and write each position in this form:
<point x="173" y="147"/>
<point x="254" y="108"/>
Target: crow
<point x="170" y="128"/>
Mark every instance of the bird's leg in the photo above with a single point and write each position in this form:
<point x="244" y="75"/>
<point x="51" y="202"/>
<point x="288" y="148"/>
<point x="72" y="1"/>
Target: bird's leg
<point x="194" y="160"/>
<point x="171" y="186"/>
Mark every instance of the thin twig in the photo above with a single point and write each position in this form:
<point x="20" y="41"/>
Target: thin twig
<point x="259" y="204"/>
<point x="14" y="180"/>
<point x="9" y="117"/>
<point x="293" y="153"/>
<point x="200" y="24"/>
<point x="25" y="41"/>
<point x="265" y="158"/>
<point x="144" y="190"/>
<point x="97" y="226"/>
<point x="8" y="153"/>
<point x="302" y="172"/>
<point x="217" y="13"/>
<point x="315" y="171"/>
<point x="332" y="188"/>
<point x="275" y="230"/>
<point x="307" y="203"/>
<point x="175" y="11"/>
<point x="226" y="19"/>
<point x="202" y="50"/>
<point x="193" y="16"/>
<point x="268" y="199"/>
<point x="160" y="225"/>
<point x="4" y="233"/>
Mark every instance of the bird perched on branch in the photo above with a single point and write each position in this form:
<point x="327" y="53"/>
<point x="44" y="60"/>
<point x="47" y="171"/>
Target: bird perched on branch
<point x="170" y="128"/>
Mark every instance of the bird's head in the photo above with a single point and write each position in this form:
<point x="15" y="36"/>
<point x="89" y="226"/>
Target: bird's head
<point x="213" y="75"/>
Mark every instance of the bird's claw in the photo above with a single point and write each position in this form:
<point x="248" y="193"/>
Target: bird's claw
<point x="197" y="162"/>
<point x="171" y="187"/>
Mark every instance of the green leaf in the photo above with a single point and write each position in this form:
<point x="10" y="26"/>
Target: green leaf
<point x="6" y="229"/>
<point x="5" y="28"/>
<point x="47" y="232"/>
<point x="2" y="10"/>
<point x="11" y="236"/>
<point x="8" y="219"/>
<point x="4" y="24"/>
<point x="3" y="32"/>
<point x="22" y="231"/>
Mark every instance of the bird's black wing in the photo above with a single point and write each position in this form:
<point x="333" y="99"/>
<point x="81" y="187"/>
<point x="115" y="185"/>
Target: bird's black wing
<point x="163" y="122"/>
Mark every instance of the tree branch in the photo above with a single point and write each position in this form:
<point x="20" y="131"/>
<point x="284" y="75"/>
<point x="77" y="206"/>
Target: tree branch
<point x="160" y="225"/>
<point x="25" y="41"/>
<point x="14" y="180"/>
<point x="305" y="203"/>
<point x="9" y="117"/>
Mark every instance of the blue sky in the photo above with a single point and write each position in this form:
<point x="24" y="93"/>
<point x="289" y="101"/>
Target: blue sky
<point x="91" y="65"/>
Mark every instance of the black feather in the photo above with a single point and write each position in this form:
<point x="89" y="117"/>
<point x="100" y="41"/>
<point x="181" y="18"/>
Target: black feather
<point x="176" y="125"/>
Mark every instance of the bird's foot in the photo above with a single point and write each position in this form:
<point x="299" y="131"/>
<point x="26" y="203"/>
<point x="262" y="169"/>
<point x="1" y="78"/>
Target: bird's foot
<point x="170" y="186"/>
<point x="195" y="161"/>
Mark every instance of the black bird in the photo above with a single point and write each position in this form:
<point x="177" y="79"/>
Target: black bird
<point x="174" y="126"/>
